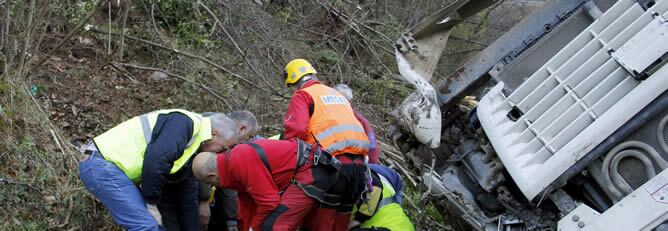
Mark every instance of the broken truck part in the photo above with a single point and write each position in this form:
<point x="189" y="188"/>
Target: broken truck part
<point x="571" y="134"/>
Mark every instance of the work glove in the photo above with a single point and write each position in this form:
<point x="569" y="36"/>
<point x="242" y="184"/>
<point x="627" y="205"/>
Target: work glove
<point x="204" y="215"/>
<point x="153" y="210"/>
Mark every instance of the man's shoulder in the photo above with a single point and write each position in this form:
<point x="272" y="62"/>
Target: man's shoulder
<point x="176" y="116"/>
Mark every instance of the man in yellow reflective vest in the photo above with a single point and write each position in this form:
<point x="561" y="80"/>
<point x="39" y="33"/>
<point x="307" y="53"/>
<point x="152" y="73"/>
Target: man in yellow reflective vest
<point x="382" y="208"/>
<point x="127" y="166"/>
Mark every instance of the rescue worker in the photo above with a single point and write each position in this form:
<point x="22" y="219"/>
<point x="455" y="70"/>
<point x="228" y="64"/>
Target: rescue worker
<point x="247" y="125"/>
<point x="218" y="207"/>
<point x="382" y="209"/>
<point x="320" y="115"/>
<point x="374" y="151"/>
<point x="178" y="214"/>
<point x="224" y="208"/>
<point x="127" y="166"/>
<point x="274" y="180"/>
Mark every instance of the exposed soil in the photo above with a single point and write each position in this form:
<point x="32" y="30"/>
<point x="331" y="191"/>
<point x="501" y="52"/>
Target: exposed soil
<point x="83" y="95"/>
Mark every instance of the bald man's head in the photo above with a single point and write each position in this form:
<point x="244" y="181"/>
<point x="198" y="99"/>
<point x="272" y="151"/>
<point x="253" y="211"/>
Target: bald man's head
<point x="205" y="168"/>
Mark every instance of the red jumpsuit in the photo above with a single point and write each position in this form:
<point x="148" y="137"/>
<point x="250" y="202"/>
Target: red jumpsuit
<point x="296" y="123"/>
<point x="297" y="118"/>
<point x="260" y="204"/>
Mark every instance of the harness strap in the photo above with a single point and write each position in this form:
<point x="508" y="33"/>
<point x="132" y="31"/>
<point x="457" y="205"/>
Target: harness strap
<point x="303" y="152"/>
<point x="262" y="154"/>
<point x="320" y="195"/>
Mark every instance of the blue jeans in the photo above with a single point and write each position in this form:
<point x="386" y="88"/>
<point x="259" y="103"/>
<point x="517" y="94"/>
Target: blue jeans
<point x="117" y="192"/>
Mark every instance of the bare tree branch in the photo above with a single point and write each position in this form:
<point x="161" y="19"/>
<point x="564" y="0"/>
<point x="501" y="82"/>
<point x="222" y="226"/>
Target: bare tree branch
<point x="27" y="36"/>
<point x="236" y="45"/>
<point x="125" y="20"/>
<point x="205" y="60"/>
<point x="109" y="38"/>
<point x="155" y="25"/>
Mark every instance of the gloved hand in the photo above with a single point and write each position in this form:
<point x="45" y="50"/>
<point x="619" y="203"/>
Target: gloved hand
<point x="153" y="210"/>
<point x="204" y="214"/>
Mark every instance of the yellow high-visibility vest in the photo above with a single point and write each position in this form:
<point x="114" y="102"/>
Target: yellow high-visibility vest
<point x="125" y="144"/>
<point x="385" y="212"/>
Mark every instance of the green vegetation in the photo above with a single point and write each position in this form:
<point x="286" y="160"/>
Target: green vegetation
<point x="94" y="79"/>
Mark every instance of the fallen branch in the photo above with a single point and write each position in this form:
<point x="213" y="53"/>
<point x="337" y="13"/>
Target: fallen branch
<point x="212" y="91"/>
<point x="8" y="181"/>
<point x="55" y="139"/>
<point x="398" y="165"/>
<point x="391" y="150"/>
<point x="205" y="60"/>
<point x="124" y="72"/>
<point x="392" y="157"/>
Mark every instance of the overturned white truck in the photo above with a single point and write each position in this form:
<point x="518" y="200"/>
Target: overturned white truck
<point x="570" y="131"/>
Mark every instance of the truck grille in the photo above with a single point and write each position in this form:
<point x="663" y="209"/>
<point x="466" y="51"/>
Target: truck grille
<point x="574" y="101"/>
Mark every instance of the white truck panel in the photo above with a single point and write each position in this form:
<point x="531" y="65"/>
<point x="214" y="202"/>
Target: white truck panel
<point x="643" y="209"/>
<point x="576" y="100"/>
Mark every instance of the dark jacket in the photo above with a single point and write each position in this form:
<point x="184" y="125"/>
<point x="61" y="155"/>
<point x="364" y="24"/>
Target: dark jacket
<point x="170" y="137"/>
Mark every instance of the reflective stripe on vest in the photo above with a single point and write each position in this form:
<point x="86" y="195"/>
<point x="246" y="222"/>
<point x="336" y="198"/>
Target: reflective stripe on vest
<point x="146" y="128"/>
<point x="341" y="145"/>
<point x="125" y="144"/>
<point x="333" y="124"/>
<point x="148" y="131"/>
<point x="338" y="129"/>
<point x="388" y="192"/>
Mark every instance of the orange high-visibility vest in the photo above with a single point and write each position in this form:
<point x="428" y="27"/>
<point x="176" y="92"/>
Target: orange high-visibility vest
<point x="333" y="124"/>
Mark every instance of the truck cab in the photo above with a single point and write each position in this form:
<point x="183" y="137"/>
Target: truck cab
<point x="569" y="131"/>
